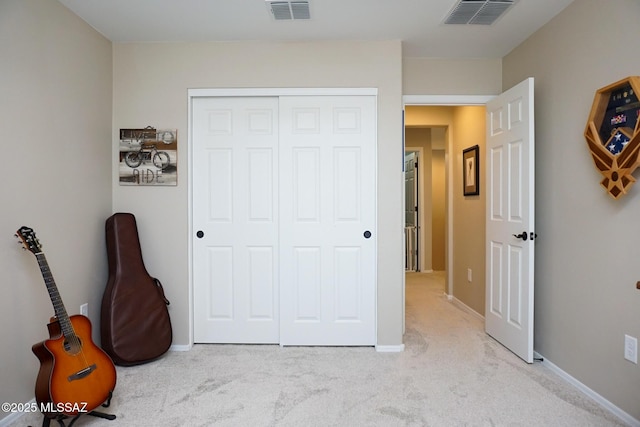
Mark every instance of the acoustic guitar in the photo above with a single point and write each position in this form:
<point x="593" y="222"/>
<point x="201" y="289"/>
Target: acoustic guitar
<point x="75" y="375"/>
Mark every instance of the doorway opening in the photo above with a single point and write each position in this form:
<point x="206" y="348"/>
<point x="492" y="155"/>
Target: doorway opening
<point x="488" y="271"/>
<point x="447" y="127"/>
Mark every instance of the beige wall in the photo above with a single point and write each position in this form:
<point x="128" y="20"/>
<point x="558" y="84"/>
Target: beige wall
<point x="417" y="116"/>
<point x="436" y="76"/>
<point x="439" y="210"/>
<point x="150" y="88"/>
<point x="469" y="213"/>
<point x="55" y="110"/>
<point x="587" y="248"/>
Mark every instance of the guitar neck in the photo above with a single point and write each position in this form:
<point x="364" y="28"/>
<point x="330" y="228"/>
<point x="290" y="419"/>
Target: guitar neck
<point x="56" y="300"/>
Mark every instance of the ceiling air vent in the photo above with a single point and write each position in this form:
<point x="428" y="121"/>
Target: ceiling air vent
<point x="478" y="12"/>
<point x="289" y="10"/>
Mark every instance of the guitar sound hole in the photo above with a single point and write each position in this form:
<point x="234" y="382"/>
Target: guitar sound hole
<point x="72" y="346"/>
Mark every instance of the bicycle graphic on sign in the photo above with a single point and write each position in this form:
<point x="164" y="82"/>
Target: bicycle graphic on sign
<point x="148" y="157"/>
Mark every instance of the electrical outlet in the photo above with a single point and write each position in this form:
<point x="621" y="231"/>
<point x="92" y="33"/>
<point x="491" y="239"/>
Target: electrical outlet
<point x="84" y="309"/>
<point x="631" y="349"/>
<point x="469" y="275"/>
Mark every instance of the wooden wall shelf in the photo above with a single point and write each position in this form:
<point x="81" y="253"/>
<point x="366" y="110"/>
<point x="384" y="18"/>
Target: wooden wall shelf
<point x="613" y="134"/>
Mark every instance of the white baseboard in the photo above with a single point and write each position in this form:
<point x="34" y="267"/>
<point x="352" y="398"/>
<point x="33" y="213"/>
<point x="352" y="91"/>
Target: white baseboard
<point x="626" y="418"/>
<point x="15" y="416"/>
<point x="390" y="348"/>
<point x="180" y="347"/>
<point x="465" y="307"/>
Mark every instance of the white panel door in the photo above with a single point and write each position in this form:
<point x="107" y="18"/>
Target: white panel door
<point x="510" y="219"/>
<point x="235" y="213"/>
<point x="328" y="220"/>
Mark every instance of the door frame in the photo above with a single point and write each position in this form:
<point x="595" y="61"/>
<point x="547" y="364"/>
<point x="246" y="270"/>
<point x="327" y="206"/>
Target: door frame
<point x="445" y="101"/>
<point x="257" y="92"/>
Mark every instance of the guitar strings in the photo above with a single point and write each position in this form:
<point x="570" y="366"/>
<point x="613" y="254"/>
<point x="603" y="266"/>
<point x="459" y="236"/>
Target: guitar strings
<point x="79" y="345"/>
<point x="71" y="337"/>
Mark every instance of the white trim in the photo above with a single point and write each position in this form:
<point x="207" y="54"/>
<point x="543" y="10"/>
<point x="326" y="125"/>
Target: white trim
<point x="375" y="217"/>
<point x="195" y="93"/>
<point x="625" y="417"/>
<point x="466" y="308"/>
<point x="390" y="348"/>
<point x="446" y="99"/>
<point x="14" y="416"/>
<point x="190" y="211"/>
<point x="181" y="347"/>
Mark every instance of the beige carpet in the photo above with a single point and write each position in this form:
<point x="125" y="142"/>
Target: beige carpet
<point x="450" y="374"/>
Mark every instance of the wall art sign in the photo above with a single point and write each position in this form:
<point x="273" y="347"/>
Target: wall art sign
<point x="613" y="134"/>
<point x="148" y="156"/>
<point x="471" y="171"/>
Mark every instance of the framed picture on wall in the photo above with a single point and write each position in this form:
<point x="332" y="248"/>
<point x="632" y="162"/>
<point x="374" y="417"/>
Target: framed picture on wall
<point x="471" y="171"/>
<point x="148" y="156"/>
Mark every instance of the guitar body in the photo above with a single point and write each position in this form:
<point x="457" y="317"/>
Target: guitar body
<point x="74" y="377"/>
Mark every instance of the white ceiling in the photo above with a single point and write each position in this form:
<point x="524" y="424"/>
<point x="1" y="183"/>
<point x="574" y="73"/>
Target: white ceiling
<point x="418" y="23"/>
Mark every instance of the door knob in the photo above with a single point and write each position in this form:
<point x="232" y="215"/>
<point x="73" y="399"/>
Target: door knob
<point x="524" y="236"/>
<point x="367" y="234"/>
<point x="200" y="234"/>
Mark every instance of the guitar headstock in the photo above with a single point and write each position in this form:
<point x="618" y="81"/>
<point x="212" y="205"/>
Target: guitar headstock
<point x="29" y="239"/>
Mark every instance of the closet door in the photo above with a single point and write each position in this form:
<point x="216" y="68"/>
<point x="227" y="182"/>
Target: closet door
<point x="235" y="216"/>
<point x="284" y="198"/>
<point x="327" y="220"/>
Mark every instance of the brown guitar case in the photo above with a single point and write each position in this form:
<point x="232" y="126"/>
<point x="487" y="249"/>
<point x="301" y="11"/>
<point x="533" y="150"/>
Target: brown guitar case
<point x="135" y="326"/>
